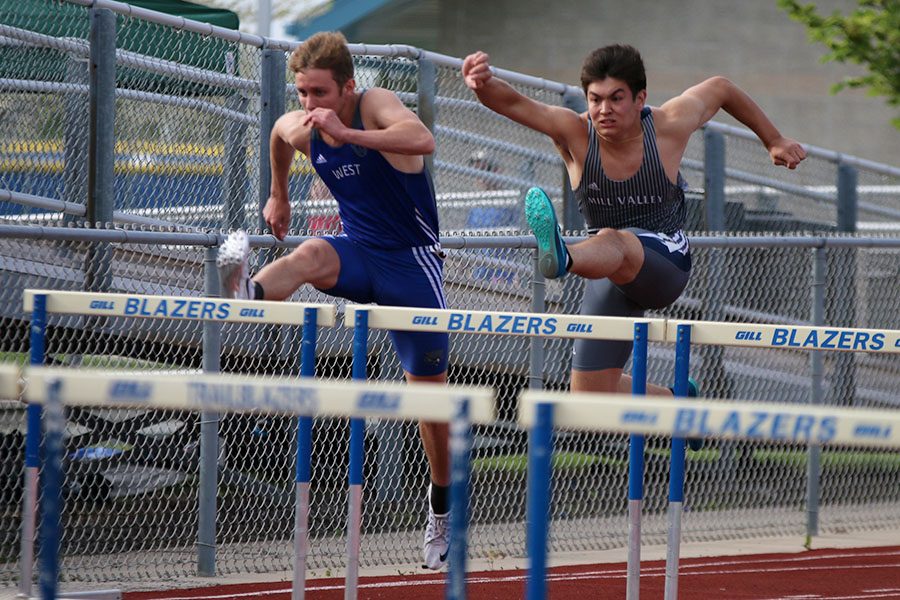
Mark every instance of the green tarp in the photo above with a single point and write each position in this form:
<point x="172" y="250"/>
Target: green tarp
<point x="66" y="20"/>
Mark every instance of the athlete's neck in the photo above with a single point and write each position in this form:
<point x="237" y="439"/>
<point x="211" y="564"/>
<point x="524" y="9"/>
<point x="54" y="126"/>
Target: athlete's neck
<point x="618" y="141"/>
<point x="348" y="111"/>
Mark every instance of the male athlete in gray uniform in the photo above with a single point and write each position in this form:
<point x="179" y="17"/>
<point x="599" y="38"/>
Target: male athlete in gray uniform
<point x="622" y="158"/>
<point x="369" y="150"/>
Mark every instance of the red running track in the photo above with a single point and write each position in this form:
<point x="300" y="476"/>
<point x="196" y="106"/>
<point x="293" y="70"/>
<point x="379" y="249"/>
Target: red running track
<point x="851" y="574"/>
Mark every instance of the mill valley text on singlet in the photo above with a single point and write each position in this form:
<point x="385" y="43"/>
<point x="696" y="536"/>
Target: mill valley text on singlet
<point x="647" y="199"/>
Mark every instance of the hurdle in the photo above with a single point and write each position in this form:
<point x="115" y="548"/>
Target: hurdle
<point x="55" y="388"/>
<point x="540" y="412"/>
<point x="40" y="303"/>
<point x="537" y="325"/>
<point x="753" y="335"/>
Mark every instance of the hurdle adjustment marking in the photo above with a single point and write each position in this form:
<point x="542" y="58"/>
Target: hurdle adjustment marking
<point x="791" y="337"/>
<point x="503" y="323"/>
<point x="193" y="308"/>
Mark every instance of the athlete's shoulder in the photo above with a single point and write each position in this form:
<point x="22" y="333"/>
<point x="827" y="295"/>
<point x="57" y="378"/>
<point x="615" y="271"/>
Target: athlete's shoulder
<point x="666" y="121"/>
<point x="377" y="100"/>
<point x="290" y="128"/>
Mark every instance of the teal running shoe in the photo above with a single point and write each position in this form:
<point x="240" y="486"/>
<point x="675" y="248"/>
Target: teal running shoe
<point x="542" y="219"/>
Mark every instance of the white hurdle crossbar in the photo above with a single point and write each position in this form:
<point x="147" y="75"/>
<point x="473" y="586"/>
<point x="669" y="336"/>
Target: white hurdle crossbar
<point x="224" y="310"/>
<point x="541" y="412"/>
<point x="55" y="387"/>
<point x="753" y="335"/>
<point x="720" y="419"/>
<point x="789" y="337"/>
<point x="504" y="323"/>
<point x="541" y="325"/>
<point x="9" y="382"/>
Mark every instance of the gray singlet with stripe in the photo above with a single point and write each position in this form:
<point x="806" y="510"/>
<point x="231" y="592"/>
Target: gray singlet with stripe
<point x="647" y="200"/>
<point x="651" y="207"/>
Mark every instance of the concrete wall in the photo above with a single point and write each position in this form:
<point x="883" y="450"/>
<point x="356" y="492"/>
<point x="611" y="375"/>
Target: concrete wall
<point x="683" y="41"/>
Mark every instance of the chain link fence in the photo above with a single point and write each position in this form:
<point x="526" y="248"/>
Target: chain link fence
<point x="132" y="481"/>
<point x="189" y="125"/>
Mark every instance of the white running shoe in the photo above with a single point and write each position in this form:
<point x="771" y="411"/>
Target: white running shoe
<point x="437" y="537"/>
<point x="234" y="273"/>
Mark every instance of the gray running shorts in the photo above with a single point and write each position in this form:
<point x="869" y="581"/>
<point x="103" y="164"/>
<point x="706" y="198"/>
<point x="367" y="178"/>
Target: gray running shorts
<point x="662" y="278"/>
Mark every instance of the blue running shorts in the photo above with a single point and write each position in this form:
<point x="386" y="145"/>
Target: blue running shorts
<point x="662" y="278"/>
<point x="406" y="277"/>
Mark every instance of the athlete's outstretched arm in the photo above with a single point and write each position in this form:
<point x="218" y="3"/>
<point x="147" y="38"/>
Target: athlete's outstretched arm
<point x="697" y="105"/>
<point x="398" y="129"/>
<point x="277" y="211"/>
<point x="561" y="124"/>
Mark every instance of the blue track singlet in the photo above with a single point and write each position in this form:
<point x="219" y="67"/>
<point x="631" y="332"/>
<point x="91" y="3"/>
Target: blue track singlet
<point x="390" y="249"/>
<point x="380" y="207"/>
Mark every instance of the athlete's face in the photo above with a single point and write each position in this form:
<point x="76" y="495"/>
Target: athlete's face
<point x="614" y="111"/>
<point x="317" y="88"/>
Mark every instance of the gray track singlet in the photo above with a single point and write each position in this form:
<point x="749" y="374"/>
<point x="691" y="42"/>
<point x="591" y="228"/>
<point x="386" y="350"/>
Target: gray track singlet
<point x="647" y="200"/>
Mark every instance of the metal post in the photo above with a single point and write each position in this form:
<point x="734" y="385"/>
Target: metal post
<point x="357" y="447"/>
<point x="676" y="466"/>
<point x="538" y="305"/>
<point x="101" y="148"/>
<point x="75" y="140"/>
<point x="714" y="182"/>
<point x="304" y="460"/>
<point x="843" y="296"/>
<point x="540" y="471"/>
<point x="101" y="145"/>
<point x="209" y="433"/>
<point x="460" y="454"/>
<point x="714" y="179"/>
<point x="636" y="467"/>
<point x="32" y="451"/>
<point x="234" y="179"/>
<point x="272" y="101"/>
<point x="572" y="220"/>
<point x="817" y="395"/>
<point x="847" y="200"/>
<point x="426" y="87"/>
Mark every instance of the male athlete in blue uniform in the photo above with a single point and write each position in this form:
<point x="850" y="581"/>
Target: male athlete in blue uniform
<point x="369" y="149"/>
<point x="623" y="159"/>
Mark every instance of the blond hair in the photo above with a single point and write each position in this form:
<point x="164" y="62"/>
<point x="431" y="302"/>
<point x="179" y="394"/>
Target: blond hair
<point x="324" y="50"/>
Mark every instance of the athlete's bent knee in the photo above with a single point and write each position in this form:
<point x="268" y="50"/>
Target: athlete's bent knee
<point x="317" y="259"/>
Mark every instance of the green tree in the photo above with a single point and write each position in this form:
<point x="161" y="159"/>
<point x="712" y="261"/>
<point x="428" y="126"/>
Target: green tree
<point x="869" y="36"/>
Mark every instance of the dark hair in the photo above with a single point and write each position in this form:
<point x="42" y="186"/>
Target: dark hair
<point x="324" y="50"/>
<point x="620" y="61"/>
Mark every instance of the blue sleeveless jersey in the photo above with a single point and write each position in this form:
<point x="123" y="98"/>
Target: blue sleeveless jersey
<point x="380" y="207"/>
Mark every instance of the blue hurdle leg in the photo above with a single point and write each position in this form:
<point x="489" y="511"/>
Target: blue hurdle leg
<point x="304" y="458"/>
<point x="357" y="446"/>
<point x="51" y="498"/>
<point x="540" y="454"/>
<point x="676" y="468"/>
<point x="636" y="468"/>
<point x="32" y="451"/>
<point x="460" y="454"/>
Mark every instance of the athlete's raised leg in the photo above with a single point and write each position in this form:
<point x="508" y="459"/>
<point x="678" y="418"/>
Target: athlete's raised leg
<point x="614" y="254"/>
<point x="315" y="262"/>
